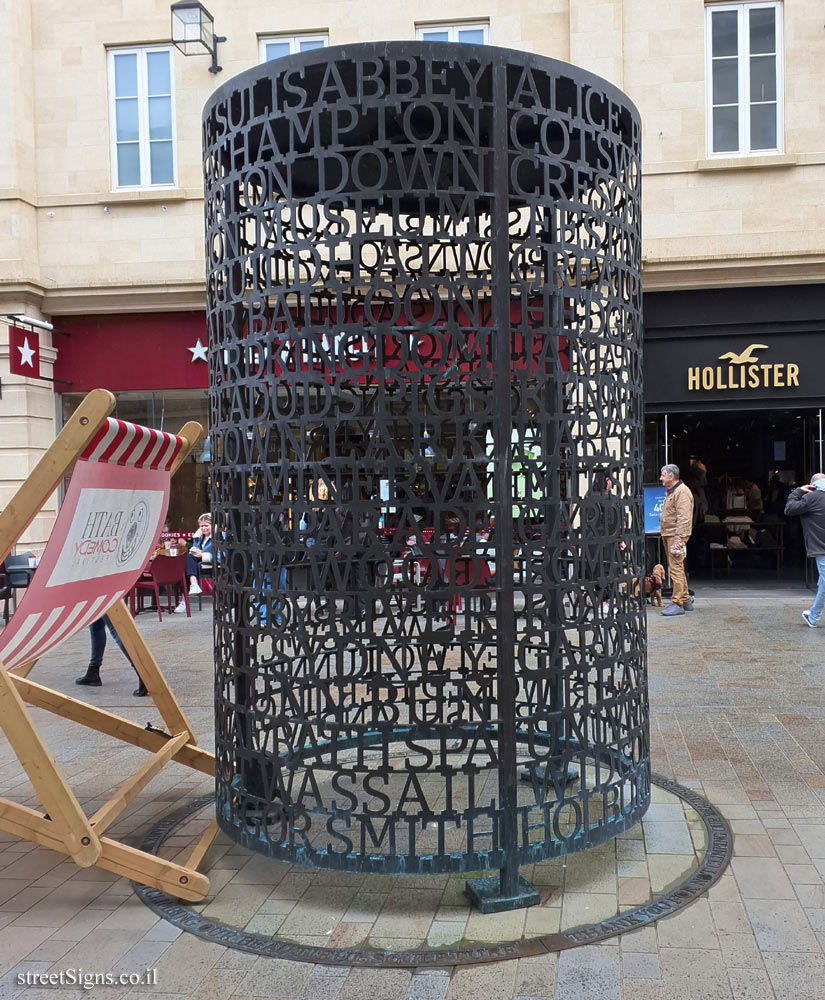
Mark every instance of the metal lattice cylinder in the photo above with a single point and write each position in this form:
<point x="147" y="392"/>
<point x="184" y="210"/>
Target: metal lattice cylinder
<point x="425" y="382"/>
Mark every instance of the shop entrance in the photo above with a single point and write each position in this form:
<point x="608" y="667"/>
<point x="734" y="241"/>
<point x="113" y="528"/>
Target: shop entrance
<point x="741" y="467"/>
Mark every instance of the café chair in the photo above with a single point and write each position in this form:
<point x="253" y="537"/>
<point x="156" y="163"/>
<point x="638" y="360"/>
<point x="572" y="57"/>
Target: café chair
<point x="16" y="573"/>
<point x="205" y="582"/>
<point x="169" y="572"/>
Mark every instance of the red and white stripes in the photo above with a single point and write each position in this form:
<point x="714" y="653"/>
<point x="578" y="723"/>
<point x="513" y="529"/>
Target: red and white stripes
<point x="122" y="443"/>
<point x="29" y="639"/>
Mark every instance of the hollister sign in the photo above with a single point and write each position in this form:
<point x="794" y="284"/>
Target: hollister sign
<point x="685" y="373"/>
<point x="743" y="371"/>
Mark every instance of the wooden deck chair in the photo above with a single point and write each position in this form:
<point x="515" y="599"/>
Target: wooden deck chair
<point x="105" y="531"/>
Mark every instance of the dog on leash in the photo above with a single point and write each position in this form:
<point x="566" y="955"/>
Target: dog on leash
<point x="653" y="585"/>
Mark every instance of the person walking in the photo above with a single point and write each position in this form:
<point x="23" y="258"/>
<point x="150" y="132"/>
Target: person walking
<point x="97" y="638"/>
<point x="808" y="503"/>
<point x="675" y="524"/>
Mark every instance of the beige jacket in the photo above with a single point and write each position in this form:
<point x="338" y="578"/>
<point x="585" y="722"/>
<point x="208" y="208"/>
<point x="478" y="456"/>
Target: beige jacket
<point x="676" y="519"/>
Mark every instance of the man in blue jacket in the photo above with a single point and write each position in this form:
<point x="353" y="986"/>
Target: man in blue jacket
<point x="809" y="503"/>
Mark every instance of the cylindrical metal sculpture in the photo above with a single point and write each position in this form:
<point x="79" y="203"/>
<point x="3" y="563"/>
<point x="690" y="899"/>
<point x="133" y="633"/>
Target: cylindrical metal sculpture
<point x="423" y="274"/>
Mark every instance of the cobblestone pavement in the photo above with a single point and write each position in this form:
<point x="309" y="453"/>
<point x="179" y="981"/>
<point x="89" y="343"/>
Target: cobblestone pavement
<point x="738" y="713"/>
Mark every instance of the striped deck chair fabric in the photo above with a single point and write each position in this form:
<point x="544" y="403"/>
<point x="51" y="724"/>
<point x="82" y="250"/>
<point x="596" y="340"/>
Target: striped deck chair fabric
<point x="105" y="532"/>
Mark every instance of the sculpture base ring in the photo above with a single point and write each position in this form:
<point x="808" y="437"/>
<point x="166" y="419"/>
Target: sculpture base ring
<point x="711" y="867"/>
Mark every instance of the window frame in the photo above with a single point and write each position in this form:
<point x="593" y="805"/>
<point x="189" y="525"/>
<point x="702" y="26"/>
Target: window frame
<point x="294" y="43"/>
<point x="144" y="144"/>
<point x="452" y="28"/>
<point x="743" y="57"/>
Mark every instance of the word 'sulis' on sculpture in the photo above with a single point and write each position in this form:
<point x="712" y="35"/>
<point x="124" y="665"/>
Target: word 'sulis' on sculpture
<point x="423" y="273"/>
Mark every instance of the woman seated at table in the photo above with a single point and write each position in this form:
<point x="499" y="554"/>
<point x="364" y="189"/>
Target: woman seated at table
<point x="200" y="553"/>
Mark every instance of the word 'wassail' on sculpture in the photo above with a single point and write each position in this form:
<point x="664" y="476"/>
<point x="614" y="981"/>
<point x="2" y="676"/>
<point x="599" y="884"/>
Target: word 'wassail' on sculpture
<point x="425" y="367"/>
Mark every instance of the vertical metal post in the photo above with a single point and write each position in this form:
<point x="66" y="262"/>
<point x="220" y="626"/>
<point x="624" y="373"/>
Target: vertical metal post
<point x="509" y="890"/>
<point x="667" y="458"/>
<point x="503" y="491"/>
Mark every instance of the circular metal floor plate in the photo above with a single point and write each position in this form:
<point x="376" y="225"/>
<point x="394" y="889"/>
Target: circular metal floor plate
<point x="711" y="867"/>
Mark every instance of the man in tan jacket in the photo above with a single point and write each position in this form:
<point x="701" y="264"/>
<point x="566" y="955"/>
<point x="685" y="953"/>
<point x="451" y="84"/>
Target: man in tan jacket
<point x="675" y="523"/>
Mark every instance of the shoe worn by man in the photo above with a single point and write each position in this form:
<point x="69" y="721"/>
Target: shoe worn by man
<point x="194" y="589"/>
<point x="673" y="609"/>
<point x="181" y="608"/>
<point x="807" y="616"/>
<point x="91" y="678"/>
<point x="689" y="605"/>
<point x="140" y="692"/>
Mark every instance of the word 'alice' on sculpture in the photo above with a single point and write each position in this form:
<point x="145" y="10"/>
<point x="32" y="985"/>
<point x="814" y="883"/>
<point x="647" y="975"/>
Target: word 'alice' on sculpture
<point x="423" y="273"/>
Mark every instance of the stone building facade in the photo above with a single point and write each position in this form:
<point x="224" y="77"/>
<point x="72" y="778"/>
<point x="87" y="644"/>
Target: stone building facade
<point x="97" y="99"/>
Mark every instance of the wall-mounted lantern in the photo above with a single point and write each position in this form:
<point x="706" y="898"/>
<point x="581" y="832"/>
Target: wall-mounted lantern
<point x="193" y="31"/>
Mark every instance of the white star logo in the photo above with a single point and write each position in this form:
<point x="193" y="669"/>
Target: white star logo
<point x="26" y="354"/>
<point x="198" y="351"/>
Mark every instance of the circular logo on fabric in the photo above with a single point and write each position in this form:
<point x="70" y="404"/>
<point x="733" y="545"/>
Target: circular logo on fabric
<point x="137" y="524"/>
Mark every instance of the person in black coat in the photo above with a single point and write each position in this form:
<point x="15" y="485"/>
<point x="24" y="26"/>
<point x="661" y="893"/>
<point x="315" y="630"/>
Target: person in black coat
<point x="808" y="502"/>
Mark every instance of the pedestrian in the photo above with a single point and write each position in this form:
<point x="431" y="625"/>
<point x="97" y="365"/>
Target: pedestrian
<point x="808" y="502"/>
<point x="199" y="554"/>
<point x="675" y="524"/>
<point x="97" y="637"/>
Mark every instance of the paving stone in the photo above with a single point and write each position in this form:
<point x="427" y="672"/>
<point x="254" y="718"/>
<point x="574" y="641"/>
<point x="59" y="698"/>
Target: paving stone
<point x="781" y="925"/>
<point x="790" y="855"/>
<point x="796" y="976"/>
<point x="536" y="976"/>
<point x="668" y="870"/>
<point x="630" y="850"/>
<point x="803" y="875"/>
<point x="588" y="973"/>
<point x="634" y="890"/>
<point x="762" y="878"/>
<point x="642" y="940"/>
<point x="643" y="989"/>
<point x="408" y="917"/>
<point x="816" y="918"/>
<point x="274" y="978"/>
<point x="542" y="920"/>
<point x="691" y="927"/>
<point x="639" y="965"/>
<point x="749" y="846"/>
<point x="587" y="908"/>
<point x="810" y="895"/>
<point x="750" y="984"/>
<point x="368" y="984"/>
<point x="183" y="965"/>
<point x="694" y="974"/>
<point x="812" y="838"/>
<point x="17" y="943"/>
<point x="739" y="951"/>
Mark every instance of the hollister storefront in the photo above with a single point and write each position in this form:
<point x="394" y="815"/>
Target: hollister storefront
<point x="734" y="395"/>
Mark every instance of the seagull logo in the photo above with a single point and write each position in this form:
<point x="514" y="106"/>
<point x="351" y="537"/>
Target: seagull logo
<point x="746" y="357"/>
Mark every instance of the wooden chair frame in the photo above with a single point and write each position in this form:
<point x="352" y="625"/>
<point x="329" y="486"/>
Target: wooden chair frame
<point x="62" y="825"/>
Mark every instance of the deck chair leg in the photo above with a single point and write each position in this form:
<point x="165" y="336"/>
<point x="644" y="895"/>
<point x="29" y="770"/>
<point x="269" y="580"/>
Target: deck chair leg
<point x="149" y="671"/>
<point x="67" y="819"/>
<point x="181" y="881"/>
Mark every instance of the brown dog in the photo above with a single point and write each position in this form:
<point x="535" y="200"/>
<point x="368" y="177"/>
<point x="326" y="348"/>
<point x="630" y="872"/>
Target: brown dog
<point x="653" y="585"/>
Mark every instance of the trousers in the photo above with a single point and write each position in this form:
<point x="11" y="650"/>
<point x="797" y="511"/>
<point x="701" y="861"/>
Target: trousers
<point x="676" y="569"/>
<point x="97" y="637"/>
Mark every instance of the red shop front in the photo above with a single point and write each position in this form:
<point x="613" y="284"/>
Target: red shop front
<point x="156" y="366"/>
